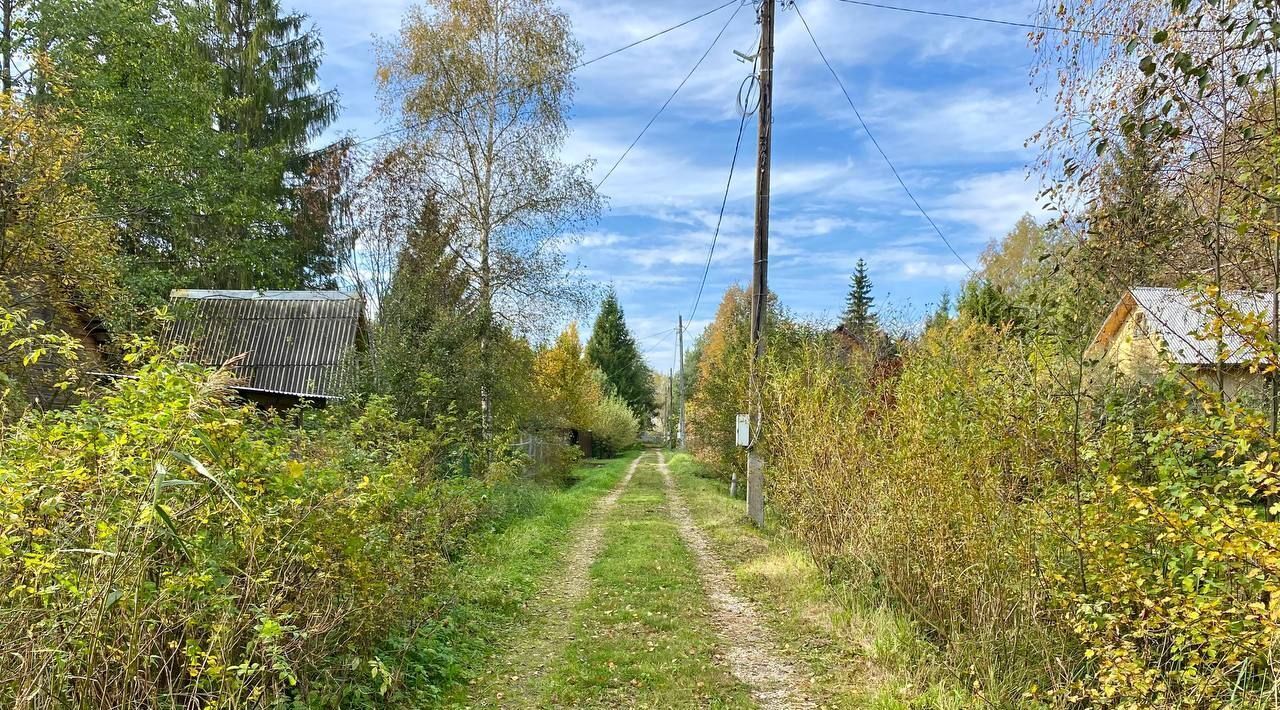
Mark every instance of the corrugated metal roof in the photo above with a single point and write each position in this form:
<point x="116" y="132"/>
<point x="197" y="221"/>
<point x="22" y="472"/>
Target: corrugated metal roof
<point x="197" y="293"/>
<point x="1179" y="317"/>
<point x="294" y="342"/>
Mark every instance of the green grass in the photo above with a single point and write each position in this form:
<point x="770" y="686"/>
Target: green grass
<point x="861" y="655"/>
<point x="488" y="595"/>
<point x="640" y="634"/>
<point x="642" y="637"/>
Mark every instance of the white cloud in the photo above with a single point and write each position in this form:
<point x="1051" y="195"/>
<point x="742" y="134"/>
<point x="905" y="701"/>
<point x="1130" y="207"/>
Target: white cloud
<point x="992" y="202"/>
<point x="933" y="269"/>
<point x="595" y="240"/>
<point x="948" y="101"/>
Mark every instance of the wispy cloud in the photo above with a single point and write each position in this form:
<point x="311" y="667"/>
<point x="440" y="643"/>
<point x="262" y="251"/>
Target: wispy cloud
<point x="949" y="101"/>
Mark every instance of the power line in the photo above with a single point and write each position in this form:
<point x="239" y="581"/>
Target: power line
<point x="580" y="65"/>
<point x="662" y="342"/>
<point x="659" y="33"/>
<point x="975" y="18"/>
<point x="670" y="98"/>
<point x="715" y="236"/>
<point x="651" y="336"/>
<point x="876" y="143"/>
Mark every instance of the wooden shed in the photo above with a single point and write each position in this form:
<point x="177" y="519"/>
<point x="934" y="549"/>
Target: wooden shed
<point x="287" y="347"/>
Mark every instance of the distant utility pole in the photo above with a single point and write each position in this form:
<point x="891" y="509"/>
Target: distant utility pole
<point x="760" y="270"/>
<point x="667" y="418"/>
<point x="680" y="339"/>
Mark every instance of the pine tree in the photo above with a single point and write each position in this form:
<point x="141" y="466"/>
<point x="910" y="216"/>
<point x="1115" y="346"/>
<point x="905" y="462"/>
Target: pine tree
<point x="426" y="326"/>
<point x="987" y="303"/>
<point x="613" y="350"/>
<point x="859" y="318"/>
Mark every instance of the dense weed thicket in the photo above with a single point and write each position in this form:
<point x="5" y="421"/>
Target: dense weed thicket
<point x="163" y="544"/>
<point x="1109" y="547"/>
<point x="939" y="488"/>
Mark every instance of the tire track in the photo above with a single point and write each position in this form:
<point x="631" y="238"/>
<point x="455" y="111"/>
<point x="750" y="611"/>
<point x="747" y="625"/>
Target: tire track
<point x="750" y="651"/>
<point x="524" y="666"/>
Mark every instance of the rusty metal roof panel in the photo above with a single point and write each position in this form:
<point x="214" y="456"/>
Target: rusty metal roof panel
<point x="1182" y="320"/>
<point x="292" y="342"/>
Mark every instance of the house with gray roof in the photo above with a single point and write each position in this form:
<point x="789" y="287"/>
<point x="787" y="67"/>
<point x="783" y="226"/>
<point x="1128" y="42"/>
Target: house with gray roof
<point x="1152" y="330"/>
<point x="285" y="347"/>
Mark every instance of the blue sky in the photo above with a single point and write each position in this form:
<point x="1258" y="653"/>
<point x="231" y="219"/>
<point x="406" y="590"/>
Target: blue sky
<point x="950" y="101"/>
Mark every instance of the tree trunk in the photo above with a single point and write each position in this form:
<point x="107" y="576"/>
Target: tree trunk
<point x="486" y="325"/>
<point x="6" y="85"/>
<point x="6" y="45"/>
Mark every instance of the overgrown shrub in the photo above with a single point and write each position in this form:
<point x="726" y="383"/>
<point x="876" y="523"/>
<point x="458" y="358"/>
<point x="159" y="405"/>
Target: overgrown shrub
<point x="1178" y="604"/>
<point x="615" y="426"/>
<point x="1065" y="547"/>
<point x="161" y="544"/>
<point x="925" y="487"/>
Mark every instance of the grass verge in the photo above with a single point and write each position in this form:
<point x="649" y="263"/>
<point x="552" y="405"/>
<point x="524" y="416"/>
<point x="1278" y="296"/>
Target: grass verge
<point x="860" y="654"/>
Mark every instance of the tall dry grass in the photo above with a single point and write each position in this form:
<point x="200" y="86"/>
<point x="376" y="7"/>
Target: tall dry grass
<point x="935" y="487"/>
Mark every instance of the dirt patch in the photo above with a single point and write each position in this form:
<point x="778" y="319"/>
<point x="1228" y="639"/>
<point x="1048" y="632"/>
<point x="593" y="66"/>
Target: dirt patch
<point x="577" y="572"/>
<point x="751" y="654"/>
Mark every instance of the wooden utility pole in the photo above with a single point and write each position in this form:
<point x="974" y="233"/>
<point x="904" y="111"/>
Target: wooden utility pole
<point x="680" y="340"/>
<point x="667" y="418"/>
<point x="760" y="270"/>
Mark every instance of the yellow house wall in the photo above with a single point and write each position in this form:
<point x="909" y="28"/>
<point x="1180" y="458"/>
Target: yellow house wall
<point x="1134" y="352"/>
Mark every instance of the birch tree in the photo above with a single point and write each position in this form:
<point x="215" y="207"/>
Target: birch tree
<point x="482" y="88"/>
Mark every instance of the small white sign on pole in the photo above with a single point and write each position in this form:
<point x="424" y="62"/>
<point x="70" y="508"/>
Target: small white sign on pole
<point x="744" y="430"/>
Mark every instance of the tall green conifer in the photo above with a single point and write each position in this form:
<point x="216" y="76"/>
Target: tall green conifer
<point x="859" y="318"/>
<point x="613" y="350"/>
<point x="269" y="63"/>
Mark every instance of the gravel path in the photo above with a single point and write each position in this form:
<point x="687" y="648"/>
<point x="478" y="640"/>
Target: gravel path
<point x="751" y="654"/>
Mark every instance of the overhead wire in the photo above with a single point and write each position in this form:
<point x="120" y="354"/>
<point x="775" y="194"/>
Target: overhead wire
<point x="665" y="104"/>
<point x="524" y="87"/>
<point x="892" y="168"/>
<point x="651" y="336"/>
<point x="724" y="200"/>
<point x="976" y="18"/>
<point x="742" y="124"/>
<point x="662" y="342"/>
<point x="659" y="33"/>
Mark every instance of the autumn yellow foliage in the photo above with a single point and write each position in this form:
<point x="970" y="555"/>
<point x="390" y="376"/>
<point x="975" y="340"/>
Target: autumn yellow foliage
<point x="565" y="381"/>
<point x="57" y="246"/>
<point x="1136" y="566"/>
<point x="721" y="393"/>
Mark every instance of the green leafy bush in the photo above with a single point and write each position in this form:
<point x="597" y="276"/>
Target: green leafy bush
<point x="614" y="425"/>
<point x="160" y="543"/>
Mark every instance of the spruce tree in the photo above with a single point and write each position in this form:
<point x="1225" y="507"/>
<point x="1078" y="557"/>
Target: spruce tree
<point x="613" y="350"/>
<point x="426" y="326"/>
<point x="942" y="314"/>
<point x="859" y="318"/>
<point x="269" y="68"/>
<point x="269" y="63"/>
